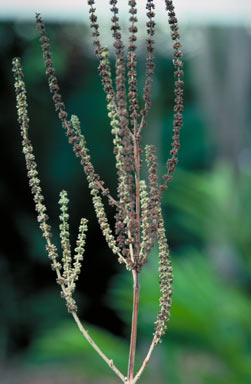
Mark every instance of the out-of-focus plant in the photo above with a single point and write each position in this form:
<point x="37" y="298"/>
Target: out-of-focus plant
<point x="215" y="208"/>
<point x="62" y="345"/>
<point x="138" y="218"/>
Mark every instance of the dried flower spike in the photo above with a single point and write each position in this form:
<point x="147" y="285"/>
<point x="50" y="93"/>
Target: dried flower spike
<point x="138" y="217"/>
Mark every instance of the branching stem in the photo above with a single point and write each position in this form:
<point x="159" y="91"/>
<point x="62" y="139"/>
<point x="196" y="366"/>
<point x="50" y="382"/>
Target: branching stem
<point x="135" y="204"/>
<point x="88" y="337"/>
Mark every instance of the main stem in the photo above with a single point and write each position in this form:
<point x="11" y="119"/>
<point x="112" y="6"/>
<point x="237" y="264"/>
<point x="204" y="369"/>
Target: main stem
<point x="134" y="326"/>
<point x="135" y="272"/>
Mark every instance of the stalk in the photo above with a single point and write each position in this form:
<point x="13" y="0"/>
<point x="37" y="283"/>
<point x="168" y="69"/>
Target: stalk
<point x="131" y="363"/>
<point x="125" y="113"/>
<point x="135" y="272"/>
<point x="145" y="362"/>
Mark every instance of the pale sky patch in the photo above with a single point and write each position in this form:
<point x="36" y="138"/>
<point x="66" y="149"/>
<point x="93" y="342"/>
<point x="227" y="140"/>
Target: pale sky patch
<point x="188" y="11"/>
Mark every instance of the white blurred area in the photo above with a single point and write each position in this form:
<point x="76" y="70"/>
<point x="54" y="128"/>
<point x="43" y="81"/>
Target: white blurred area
<point x="227" y="12"/>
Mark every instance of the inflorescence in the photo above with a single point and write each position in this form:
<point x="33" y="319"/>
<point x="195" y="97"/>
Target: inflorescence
<point x="138" y="217"/>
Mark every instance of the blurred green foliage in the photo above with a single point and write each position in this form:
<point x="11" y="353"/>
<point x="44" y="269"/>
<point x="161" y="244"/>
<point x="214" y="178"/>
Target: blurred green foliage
<point x="64" y="345"/>
<point x="207" y="210"/>
<point x="214" y="207"/>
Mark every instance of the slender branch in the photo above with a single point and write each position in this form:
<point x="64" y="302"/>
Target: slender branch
<point x="130" y="246"/>
<point x="137" y="182"/>
<point x="145" y="362"/>
<point x="112" y="200"/>
<point x="97" y="349"/>
<point x="87" y="336"/>
<point x="141" y="124"/>
<point x="136" y="288"/>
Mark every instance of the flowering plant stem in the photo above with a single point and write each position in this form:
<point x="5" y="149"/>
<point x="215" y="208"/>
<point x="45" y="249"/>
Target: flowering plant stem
<point x="135" y="272"/>
<point x="131" y="363"/>
<point x="138" y="219"/>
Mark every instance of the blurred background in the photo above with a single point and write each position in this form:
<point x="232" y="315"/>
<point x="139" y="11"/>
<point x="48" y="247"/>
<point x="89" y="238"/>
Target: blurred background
<point x="207" y="207"/>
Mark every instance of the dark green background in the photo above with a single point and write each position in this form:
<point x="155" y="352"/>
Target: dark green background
<point x="207" y="212"/>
